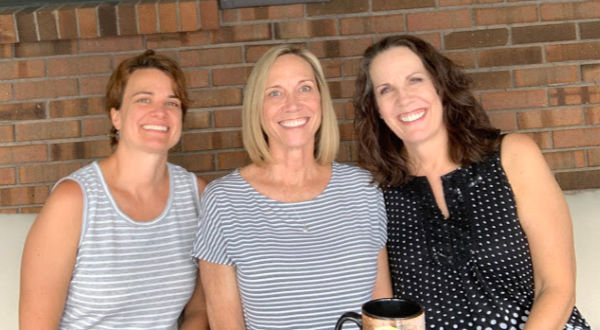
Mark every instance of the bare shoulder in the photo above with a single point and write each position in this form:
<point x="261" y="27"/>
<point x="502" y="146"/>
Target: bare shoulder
<point x="527" y="171"/>
<point x="68" y="190"/>
<point x="517" y="144"/>
<point x="64" y="206"/>
<point x="519" y="151"/>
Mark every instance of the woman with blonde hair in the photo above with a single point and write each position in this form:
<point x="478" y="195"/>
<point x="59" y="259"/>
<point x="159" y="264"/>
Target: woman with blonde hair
<point x="294" y="239"/>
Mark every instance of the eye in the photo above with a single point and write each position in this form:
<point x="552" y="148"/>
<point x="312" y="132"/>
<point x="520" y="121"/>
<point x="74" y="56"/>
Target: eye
<point x="173" y="104"/>
<point x="416" y="79"/>
<point x="384" y="90"/>
<point x="143" y="100"/>
<point x="274" y="93"/>
<point x="305" y="88"/>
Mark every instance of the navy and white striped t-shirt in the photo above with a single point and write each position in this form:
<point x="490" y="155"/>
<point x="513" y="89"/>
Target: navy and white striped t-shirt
<point x="130" y="274"/>
<point x="299" y="265"/>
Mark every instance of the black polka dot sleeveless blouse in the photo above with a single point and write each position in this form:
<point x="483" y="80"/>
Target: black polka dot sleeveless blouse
<point x="472" y="270"/>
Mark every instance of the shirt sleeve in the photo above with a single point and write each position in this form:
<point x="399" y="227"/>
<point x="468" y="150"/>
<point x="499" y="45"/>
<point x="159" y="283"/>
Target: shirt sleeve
<point x="211" y="242"/>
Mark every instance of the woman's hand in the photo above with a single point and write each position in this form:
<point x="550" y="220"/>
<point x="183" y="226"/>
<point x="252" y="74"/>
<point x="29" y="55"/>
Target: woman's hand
<point x="222" y="296"/>
<point x="544" y="216"/>
<point x="49" y="257"/>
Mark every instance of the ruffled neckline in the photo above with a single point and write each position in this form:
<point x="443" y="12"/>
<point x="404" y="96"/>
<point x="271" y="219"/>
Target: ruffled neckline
<point x="449" y="238"/>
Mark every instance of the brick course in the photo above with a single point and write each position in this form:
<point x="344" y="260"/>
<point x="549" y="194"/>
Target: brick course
<point x="476" y="39"/>
<point x="46" y="173"/>
<point x="506" y="15"/>
<point x="439" y="20"/>
<point x="592" y="115"/>
<point x="552" y="75"/>
<point x="196" y="119"/>
<point x="550" y="118"/>
<point x="543" y="33"/>
<point x="535" y="67"/>
<point x="565" y="159"/>
<point x="594" y="156"/>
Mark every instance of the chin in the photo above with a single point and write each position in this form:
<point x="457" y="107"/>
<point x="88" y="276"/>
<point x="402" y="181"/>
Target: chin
<point x="160" y="147"/>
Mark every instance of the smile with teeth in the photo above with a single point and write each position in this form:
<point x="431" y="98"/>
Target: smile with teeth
<point x="293" y="122"/>
<point x="155" y="128"/>
<point x="412" y="116"/>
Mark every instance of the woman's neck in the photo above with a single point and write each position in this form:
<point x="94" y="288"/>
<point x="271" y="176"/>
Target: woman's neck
<point x="289" y="177"/>
<point x="292" y="167"/>
<point x="430" y="158"/>
<point x="134" y="171"/>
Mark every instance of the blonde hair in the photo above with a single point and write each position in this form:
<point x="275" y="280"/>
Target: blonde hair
<point x="327" y="138"/>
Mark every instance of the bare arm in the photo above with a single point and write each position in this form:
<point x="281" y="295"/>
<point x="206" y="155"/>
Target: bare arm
<point x="545" y="218"/>
<point x="222" y="296"/>
<point x="194" y="314"/>
<point x="383" y="282"/>
<point x="49" y="257"/>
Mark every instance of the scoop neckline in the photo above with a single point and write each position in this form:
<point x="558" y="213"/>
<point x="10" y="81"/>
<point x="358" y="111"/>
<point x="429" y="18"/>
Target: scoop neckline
<point x="123" y="214"/>
<point x="325" y="190"/>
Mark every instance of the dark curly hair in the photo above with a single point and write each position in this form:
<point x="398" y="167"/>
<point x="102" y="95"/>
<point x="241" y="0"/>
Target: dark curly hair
<point x="115" y="88"/>
<point x="471" y="136"/>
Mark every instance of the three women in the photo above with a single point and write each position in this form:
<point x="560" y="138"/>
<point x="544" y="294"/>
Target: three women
<point x="478" y="229"/>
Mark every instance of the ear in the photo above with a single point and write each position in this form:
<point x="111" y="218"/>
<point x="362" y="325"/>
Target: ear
<point x="115" y="118"/>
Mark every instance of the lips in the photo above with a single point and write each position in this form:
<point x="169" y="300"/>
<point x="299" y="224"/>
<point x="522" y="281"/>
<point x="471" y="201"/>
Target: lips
<point x="409" y="117"/>
<point x="293" y="122"/>
<point x="155" y="128"/>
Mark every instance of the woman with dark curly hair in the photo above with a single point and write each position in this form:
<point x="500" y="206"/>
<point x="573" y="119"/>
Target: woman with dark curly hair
<point x="478" y="229"/>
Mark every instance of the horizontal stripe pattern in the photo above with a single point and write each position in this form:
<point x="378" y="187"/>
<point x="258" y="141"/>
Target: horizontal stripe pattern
<point x="299" y="265"/>
<point x="128" y="274"/>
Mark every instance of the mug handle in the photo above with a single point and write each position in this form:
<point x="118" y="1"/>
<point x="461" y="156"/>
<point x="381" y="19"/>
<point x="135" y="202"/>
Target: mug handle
<point x="349" y="316"/>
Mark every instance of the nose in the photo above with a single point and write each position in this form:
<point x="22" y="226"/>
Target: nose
<point x="291" y="102"/>
<point x="403" y="96"/>
<point x="160" y="110"/>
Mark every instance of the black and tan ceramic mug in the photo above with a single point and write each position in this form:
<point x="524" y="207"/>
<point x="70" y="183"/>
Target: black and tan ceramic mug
<point x="387" y="314"/>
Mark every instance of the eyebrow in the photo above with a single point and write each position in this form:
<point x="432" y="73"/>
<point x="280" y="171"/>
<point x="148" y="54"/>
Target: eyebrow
<point x="314" y="81"/>
<point x="407" y="76"/>
<point x="172" y="96"/>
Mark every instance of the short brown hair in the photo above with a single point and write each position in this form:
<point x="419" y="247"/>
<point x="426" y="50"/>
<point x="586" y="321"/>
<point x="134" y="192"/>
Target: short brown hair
<point x="380" y="151"/>
<point x="255" y="141"/>
<point x="115" y="87"/>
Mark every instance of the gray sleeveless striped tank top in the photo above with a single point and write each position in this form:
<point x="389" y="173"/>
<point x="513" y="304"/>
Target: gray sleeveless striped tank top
<point x="128" y="274"/>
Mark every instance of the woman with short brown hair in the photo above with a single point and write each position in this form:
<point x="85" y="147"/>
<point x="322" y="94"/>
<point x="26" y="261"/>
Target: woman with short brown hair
<point x="110" y="248"/>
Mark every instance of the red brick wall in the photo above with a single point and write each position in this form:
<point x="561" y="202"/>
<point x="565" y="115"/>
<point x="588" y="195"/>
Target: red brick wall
<point x="535" y="63"/>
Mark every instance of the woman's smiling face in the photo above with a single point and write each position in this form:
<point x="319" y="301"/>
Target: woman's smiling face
<point x="406" y="95"/>
<point x="291" y="113"/>
<point x="150" y="117"/>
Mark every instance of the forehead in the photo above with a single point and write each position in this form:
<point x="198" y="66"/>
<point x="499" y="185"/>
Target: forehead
<point x="148" y="79"/>
<point x="396" y="58"/>
<point x="290" y="66"/>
